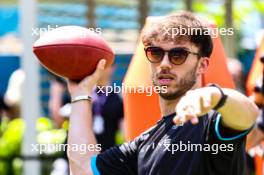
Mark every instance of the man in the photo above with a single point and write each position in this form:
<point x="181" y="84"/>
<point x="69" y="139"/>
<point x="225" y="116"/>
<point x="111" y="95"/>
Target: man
<point x="206" y="117"/>
<point x="12" y="96"/>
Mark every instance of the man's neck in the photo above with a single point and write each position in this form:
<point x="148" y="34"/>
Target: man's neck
<point x="168" y="106"/>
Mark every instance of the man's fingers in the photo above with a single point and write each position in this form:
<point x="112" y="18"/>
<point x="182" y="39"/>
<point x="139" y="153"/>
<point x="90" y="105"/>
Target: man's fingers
<point x="101" y="64"/>
<point x="194" y="120"/>
<point x="179" y="120"/>
<point x="180" y="116"/>
<point x="191" y="115"/>
<point x="191" y="106"/>
<point x="194" y="103"/>
<point x="100" y="67"/>
<point x="97" y="73"/>
<point x="184" y="114"/>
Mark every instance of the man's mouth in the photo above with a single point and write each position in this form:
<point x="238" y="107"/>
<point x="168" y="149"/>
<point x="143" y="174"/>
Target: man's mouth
<point x="165" y="79"/>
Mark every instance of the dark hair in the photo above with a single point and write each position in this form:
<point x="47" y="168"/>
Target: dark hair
<point x="162" y="30"/>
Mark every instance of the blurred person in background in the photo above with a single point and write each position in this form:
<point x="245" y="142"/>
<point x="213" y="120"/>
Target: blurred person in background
<point x="235" y="68"/>
<point x="58" y="98"/>
<point x="11" y="125"/>
<point x="4" y="109"/>
<point x="256" y="136"/>
<point x="13" y="93"/>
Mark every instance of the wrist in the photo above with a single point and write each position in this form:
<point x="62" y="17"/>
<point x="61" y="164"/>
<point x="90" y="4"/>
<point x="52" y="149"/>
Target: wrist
<point x="81" y="98"/>
<point x="81" y="91"/>
<point x="218" y="98"/>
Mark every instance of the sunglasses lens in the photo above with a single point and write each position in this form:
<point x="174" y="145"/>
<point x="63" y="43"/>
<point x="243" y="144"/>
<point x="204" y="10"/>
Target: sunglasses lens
<point x="154" y="54"/>
<point x="178" y="56"/>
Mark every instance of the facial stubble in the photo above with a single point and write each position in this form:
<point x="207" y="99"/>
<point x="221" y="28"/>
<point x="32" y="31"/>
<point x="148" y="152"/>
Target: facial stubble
<point x="181" y="86"/>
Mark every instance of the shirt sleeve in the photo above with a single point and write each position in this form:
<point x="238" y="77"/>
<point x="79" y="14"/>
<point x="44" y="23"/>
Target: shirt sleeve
<point x="119" y="160"/>
<point x="217" y="132"/>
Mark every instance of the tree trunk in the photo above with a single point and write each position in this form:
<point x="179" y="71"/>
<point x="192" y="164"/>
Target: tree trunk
<point x="143" y="9"/>
<point x="188" y="5"/>
<point x="91" y="13"/>
<point x="229" y="39"/>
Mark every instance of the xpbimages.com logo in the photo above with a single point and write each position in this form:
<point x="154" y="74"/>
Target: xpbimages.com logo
<point x="148" y="90"/>
<point x="183" y="30"/>
<point x="51" y="148"/>
<point x="40" y="31"/>
<point x="183" y="146"/>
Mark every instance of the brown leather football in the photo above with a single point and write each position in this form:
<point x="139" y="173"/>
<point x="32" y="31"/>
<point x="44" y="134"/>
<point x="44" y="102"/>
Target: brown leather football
<point x="72" y="51"/>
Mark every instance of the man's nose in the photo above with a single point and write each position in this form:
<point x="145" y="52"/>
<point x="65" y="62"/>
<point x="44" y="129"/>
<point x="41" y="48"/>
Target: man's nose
<point x="165" y="62"/>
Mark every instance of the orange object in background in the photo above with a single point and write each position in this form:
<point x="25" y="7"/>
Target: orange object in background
<point x="254" y="74"/>
<point x="256" y="70"/>
<point x="258" y="160"/>
<point x="142" y="111"/>
<point x="218" y="71"/>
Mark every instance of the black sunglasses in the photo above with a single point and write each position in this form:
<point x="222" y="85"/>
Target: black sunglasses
<point x="176" y="55"/>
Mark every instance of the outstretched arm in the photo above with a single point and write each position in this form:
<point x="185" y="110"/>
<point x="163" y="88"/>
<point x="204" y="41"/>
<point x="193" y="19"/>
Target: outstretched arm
<point x="80" y="131"/>
<point x="238" y="112"/>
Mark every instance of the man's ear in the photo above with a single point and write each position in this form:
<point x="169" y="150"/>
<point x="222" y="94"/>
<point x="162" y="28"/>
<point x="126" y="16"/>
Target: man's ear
<point x="203" y="65"/>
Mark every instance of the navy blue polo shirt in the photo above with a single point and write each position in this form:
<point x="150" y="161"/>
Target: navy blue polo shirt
<point x="207" y="148"/>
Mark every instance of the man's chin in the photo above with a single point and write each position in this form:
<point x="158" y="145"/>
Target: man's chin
<point x="171" y="95"/>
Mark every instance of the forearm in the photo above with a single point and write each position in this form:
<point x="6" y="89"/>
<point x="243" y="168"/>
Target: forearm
<point x="238" y="112"/>
<point x="81" y="133"/>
